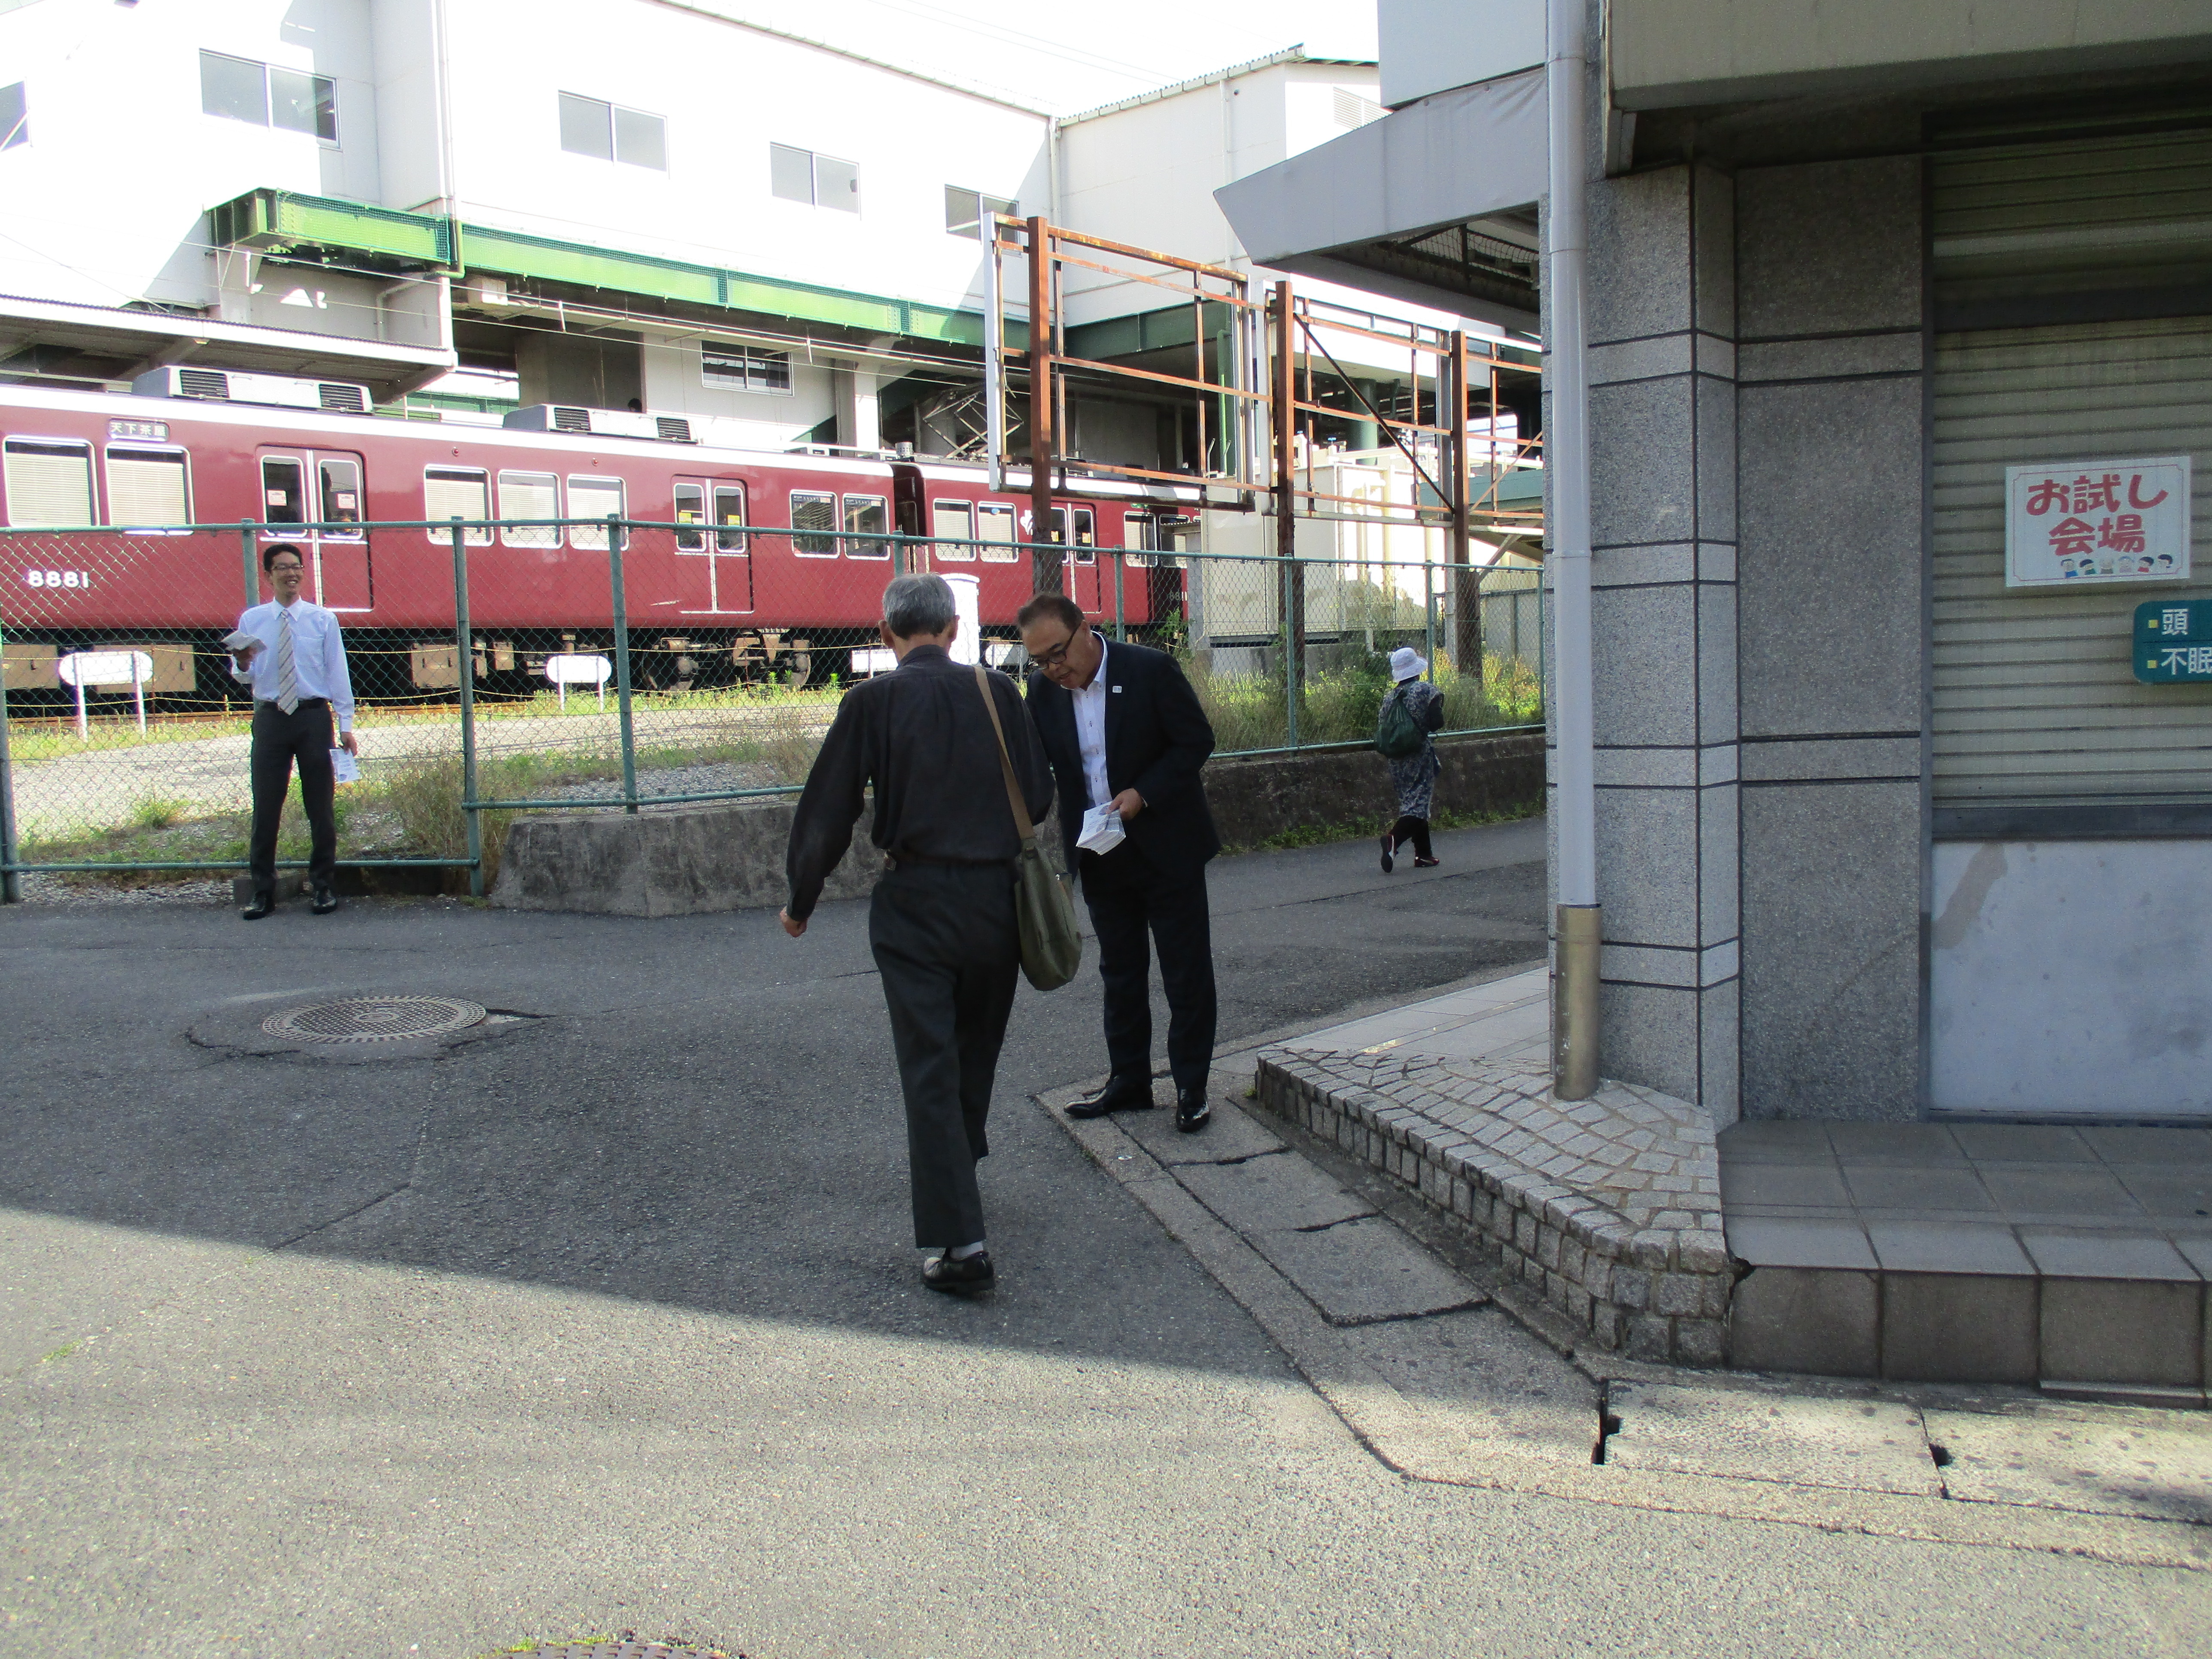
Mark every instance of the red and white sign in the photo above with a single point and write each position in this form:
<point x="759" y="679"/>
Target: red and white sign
<point x="2097" y="523"/>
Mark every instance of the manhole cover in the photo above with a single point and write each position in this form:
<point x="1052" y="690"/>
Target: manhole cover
<point x="373" y="1019"/>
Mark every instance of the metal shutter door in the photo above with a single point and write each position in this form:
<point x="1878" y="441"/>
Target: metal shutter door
<point x="2033" y="697"/>
<point x="48" y="484"/>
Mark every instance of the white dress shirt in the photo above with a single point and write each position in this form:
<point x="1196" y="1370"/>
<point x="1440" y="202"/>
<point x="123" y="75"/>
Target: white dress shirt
<point x="319" y="659"/>
<point x="1090" y="732"/>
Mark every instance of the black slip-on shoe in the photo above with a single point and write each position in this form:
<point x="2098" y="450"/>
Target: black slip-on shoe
<point x="942" y="1272"/>
<point x="1389" y="861"/>
<point x="1426" y="863"/>
<point x="1192" y="1111"/>
<point x="1121" y="1095"/>
<point x="326" y="902"/>
<point x="261" y="905"/>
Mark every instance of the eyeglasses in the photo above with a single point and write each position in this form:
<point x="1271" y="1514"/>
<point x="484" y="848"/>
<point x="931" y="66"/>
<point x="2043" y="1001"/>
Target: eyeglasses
<point x="1055" y="657"/>
<point x="293" y="568"/>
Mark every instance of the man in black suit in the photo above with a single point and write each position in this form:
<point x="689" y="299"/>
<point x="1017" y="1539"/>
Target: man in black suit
<point x="1121" y="724"/>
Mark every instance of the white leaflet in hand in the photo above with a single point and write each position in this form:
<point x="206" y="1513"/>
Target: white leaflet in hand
<point x="1102" y="830"/>
<point x="344" y="767"/>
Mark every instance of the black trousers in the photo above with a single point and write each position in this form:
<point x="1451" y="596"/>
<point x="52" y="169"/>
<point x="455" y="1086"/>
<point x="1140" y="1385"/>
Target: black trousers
<point x="1414" y="829"/>
<point x="945" y="944"/>
<point x="1128" y="896"/>
<point x="280" y="740"/>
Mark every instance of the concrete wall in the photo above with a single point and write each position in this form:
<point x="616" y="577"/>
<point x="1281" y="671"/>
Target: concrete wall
<point x="1829" y="362"/>
<point x="1432" y="46"/>
<point x="1661" y="321"/>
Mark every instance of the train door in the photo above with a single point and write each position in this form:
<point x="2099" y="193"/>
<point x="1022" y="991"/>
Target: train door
<point x="1080" y="573"/>
<point x="717" y="550"/>
<point x="323" y="489"/>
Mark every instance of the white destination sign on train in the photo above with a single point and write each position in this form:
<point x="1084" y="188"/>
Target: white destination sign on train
<point x="2097" y="523"/>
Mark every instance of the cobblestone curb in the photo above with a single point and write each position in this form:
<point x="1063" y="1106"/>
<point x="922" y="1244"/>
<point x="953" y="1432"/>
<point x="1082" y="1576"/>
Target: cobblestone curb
<point x="1608" y="1209"/>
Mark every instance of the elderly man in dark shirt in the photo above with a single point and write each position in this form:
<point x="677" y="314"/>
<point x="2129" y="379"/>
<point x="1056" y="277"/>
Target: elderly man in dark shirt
<point x="942" y="921"/>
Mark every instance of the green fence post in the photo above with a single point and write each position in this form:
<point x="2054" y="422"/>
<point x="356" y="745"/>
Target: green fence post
<point x="1121" y="576"/>
<point x="1429" y="617"/>
<point x="11" y="886"/>
<point x="467" y="668"/>
<point x="252" y="567"/>
<point x="1290" y="665"/>
<point x="621" y="664"/>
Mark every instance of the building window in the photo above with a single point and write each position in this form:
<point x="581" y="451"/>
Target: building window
<point x="735" y="367"/>
<point x="240" y="89"/>
<point x="592" y="126"/>
<point x="964" y="210"/>
<point x="15" y="118"/>
<point x="801" y="175"/>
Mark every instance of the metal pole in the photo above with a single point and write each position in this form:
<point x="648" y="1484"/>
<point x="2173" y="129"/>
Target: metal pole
<point x="1284" y="409"/>
<point x="621" y="664"/>
<point x="466" y="644"/>
<point x="1429" y="614"/>
<point x="11" y="887"/>
<point x="1466" y="595"/>
<point x="994" y="364"/>
<point x="1120" y="608"/>
<point x="252" y="568"/>
<point x="1574" y="1002"/>
<point x="1045" y="575"/>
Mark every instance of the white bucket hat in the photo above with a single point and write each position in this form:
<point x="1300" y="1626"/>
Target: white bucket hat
<point x="1407" y="664"/>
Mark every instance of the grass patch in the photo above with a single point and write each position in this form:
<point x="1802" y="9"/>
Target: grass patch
<point x="1324" y="835"/>
<point x="1338" y="704"/>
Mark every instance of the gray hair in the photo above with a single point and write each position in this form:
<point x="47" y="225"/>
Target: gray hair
<point x="918" y="604"/>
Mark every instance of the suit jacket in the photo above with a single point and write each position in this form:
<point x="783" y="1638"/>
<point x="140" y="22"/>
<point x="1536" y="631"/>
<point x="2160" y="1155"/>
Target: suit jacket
<point x="1158" y="737"/>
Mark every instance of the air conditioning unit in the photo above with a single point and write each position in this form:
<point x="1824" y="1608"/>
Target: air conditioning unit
<point x="226" y="386"/>
<point x="601" y="422"/>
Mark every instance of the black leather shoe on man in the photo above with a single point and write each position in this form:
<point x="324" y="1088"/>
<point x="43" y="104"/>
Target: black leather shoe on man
<point x="326" y="902"/>
<point x="960" y="1278"/>
<point x="261" y="905"/>
<point x="1122" y="1094"/>
<point x="1192" y="1112"/>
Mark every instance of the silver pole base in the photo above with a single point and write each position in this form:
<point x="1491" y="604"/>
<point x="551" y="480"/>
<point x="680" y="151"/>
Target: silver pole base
<point x="1574" y="1002"/>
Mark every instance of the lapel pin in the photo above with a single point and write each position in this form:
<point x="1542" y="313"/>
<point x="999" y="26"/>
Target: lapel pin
<point x="1117" y="690"/>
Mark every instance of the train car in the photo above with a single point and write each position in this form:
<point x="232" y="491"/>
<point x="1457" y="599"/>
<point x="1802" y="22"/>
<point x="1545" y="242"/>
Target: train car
<point x="764" y="567"/>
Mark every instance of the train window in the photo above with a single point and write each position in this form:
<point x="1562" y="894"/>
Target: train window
<point x="448" y="492"/>
<point x="953" y="524"/>
<point x="1086" y="532"/>
<point x="529" y="495"/>
<point x="49" y="482"/>
<point x="592" y="497"/>
<point x="690" y="509"/>
<point x="814" y="512"/>
<point x="866" y="516"/>
<point x="997" y="537"/>
<point x="729" y="518"/>
<point x="1141" y="536"/>
<point x="283" y="490"/>
<point x="337" y="481"/>
<point x="147" y="486"/>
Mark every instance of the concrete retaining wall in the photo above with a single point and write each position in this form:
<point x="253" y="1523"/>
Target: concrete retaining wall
<point x="684" y="861"/>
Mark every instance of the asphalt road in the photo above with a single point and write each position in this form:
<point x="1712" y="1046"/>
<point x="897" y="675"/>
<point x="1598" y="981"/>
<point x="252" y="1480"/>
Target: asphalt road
<point x="606" y="1318"/>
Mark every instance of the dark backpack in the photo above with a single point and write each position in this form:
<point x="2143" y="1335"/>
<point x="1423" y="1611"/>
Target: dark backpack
<point x="1397" y="734"/>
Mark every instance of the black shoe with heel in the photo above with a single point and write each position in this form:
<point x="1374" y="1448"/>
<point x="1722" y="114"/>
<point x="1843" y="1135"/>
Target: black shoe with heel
<point x="1192" y="1112"/>
<point x="942" y="1272"/>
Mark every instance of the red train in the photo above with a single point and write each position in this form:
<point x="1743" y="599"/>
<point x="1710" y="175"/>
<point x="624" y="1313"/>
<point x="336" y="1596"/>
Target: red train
<point x="776" y="578"/>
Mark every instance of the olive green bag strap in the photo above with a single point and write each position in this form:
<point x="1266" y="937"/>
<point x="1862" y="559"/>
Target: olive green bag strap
<point x="1052" y="946"/>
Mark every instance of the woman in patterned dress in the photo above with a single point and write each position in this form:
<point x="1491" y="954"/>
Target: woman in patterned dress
<point x="1414" y="775"/>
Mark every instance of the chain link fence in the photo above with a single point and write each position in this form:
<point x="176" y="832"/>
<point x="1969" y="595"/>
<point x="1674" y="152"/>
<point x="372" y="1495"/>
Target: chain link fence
<point x="615" y="666"/>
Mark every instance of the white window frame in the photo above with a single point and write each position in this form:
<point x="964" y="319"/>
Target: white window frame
<point x="473" y="534"/>
<point x="269" y="97"/>
<point x="987" y="512"/>
<point x="855" y="547"/>
<point x="960" y="549"/>
<point x="986" y="204"/>
<point x="540" y="535"/>
<point x="751" y="354"/>
<point x="829" y="498"/>
<point x="594" y="540"/>
<point x="815" y="158"/>
<point x="91" y="474"/>
<point x="133" y="449"/>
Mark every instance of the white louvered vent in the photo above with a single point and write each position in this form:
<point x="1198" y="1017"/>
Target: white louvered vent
<point x="202" y="383"/>
<point x="1354" y="111"/>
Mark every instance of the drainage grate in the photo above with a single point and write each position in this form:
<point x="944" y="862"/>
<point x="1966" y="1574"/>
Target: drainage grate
<point x="373" y="1019"/>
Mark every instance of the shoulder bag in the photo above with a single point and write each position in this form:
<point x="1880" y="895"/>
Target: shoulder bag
<point x="1052" y="948"/>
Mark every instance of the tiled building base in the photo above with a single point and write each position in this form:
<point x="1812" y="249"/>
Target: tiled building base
<point x="1608" y="1208"/>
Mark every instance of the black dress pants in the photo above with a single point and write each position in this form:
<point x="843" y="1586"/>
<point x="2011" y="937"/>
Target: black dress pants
<point x="280" y="740"/>
<point x="945" y="944"/>
<point x="1128" y="895"/>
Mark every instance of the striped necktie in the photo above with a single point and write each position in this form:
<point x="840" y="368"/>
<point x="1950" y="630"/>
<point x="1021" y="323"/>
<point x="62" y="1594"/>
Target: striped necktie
<point x="288" y="674"/>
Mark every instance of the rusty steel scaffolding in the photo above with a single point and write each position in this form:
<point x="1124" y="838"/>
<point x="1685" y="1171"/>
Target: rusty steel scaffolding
<point x="1256" y="410"/>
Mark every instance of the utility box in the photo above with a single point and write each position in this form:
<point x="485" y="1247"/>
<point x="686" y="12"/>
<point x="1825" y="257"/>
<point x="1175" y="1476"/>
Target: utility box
<point x="27" y="667"/>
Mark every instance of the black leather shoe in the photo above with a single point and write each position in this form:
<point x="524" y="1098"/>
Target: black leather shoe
<point x="1389" y="860"/>
<point x="1120" y="1094"/>
<point x="1192" y="1112"/>
<point x="261" y="905"/>
<point x="942" y="1272"/>
<point x="326" y="902"/>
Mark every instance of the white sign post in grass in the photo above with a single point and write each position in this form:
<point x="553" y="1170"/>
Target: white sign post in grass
<point x="83" y="668"/>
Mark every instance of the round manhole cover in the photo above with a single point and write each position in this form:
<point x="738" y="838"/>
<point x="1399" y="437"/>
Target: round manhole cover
<point x="373" y="1019"/>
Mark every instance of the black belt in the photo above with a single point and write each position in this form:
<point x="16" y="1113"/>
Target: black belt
<point x="303" y="702"/>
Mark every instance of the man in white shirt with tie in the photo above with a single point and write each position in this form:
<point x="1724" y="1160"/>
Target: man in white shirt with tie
<point x="296" y="666"/>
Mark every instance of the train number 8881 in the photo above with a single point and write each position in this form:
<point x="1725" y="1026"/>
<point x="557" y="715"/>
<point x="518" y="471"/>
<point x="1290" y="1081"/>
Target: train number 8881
<point x="57" y="579"/>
